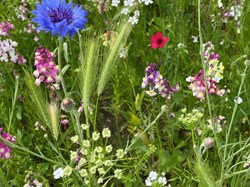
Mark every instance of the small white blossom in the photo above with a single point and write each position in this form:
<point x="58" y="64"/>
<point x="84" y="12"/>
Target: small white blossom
<point x="109" y="148"/>
<point x="147" y="2"/>
<point x="86" y="143"/>
<point x="83" y="172"/>
<point x="115" y="3"/>
<point x="106" y="133"/>
<point x="148" y="182"/>
<point x="74" y="139"/>
<point x="195" y="39"/>
<point x="125" y="11"/>
<point x="58" y="173"/>
<point x="133" y="20"/>
<point x="162" y="180"/>
<point x="152" y="175"/>
<point x="120" y="153"/>
<point x="100" y="180"/>
<point x="129" y="2"/>
<point x="137" y="13"/>
<point x="118" y="173"/>
<point x="95" y="136"/>
<point x="238" y="100"/>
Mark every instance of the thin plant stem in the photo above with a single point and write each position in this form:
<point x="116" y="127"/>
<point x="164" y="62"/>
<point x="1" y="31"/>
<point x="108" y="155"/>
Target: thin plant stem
<point x="28" y="151"/>
<point x="231" y="123"/>
<point x="145" y="130"/>
<point x="13" y="103"/>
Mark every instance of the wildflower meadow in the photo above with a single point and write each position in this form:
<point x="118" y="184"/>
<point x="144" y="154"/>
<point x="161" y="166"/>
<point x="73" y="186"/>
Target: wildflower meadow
<point x="124" y="93"/>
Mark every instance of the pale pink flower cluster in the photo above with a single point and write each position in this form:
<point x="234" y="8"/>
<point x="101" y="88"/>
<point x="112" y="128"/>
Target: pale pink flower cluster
<point x="214" y="74"/>
<point x="31" y="29"/>
<point x="8" y="52"/>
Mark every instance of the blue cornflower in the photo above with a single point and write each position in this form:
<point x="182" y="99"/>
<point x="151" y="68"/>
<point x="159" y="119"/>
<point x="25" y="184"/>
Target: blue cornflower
<point x="59" y="18"/>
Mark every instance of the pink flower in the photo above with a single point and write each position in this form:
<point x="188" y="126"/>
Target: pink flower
<point x="5" y="151"/>
<point x="158" y="41"/>
<point x="46" y="69"/>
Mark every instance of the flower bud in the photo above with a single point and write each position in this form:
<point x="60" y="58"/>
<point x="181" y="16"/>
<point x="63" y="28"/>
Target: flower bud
<point x="67" y="105"/>
<point x="208" y="143"/>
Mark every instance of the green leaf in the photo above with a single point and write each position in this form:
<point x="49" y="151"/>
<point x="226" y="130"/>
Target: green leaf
<point x="138" y="101"/>
<point x="65" y="68"/>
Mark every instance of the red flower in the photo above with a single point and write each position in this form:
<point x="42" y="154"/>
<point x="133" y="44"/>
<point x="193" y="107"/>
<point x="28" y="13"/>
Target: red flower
<point x="157" y="41"/>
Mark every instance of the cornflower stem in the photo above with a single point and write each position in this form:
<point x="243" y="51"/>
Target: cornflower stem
<point x="13" y="103"/>
<point x="231" y="124"/>
<point x="60" y="65"/>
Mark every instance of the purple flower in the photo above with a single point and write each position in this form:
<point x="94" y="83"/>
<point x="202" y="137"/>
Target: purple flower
<point x="156" y="83"/>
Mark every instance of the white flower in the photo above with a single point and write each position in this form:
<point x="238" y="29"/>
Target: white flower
<point x="148" y="182"/>
<point x="106" y="133"/>
<point x="118" y="173"/>
<point x="151" y="92"/>
<point x="220" y="4"/>
<point x="129" y="2"/>
<point x="195" y="39"/>
<point x="162" y="180"/>
<point x="147" y="2"/>
<point x="95" y="136"/>
<point x="238" y="100"/>
<point x="137" y="13"/>
<point x="115" y="3"/>
<point x="189" y="79"/>
<point x="58" y="173"/>
<point x="120" y="153"/>
<point x="125" y="11"/>
<point x="133" y="20"/>
<point x="109" y="148"/>
<point x="123" y="53"/>
<point x="152" y="175"/>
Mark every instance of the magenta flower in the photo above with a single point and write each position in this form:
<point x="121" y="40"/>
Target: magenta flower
<point x="46" y="69"/>
<point x="5" y="151"/>
<point x="158" y="41"/>
<point x="5" y="28"/>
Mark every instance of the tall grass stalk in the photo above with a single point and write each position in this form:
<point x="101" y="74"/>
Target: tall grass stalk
<point x="36" y="96"/>
<point x="88" y="71"/>
<point x="54" y="115"/>
<point x="110" y="60"/>
<point x="204" y="173"/>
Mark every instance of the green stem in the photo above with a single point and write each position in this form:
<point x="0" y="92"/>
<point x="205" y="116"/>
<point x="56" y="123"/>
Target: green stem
<point x="13" y="103"/>
<point x="234" y="112"/>
<point x="78" y="127"/>
<point x="60" y="66"/>
<point x="28" y="151"/>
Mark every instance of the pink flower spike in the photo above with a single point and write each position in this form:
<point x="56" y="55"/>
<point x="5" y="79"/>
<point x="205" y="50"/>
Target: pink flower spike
<point x="158" y="41"/>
